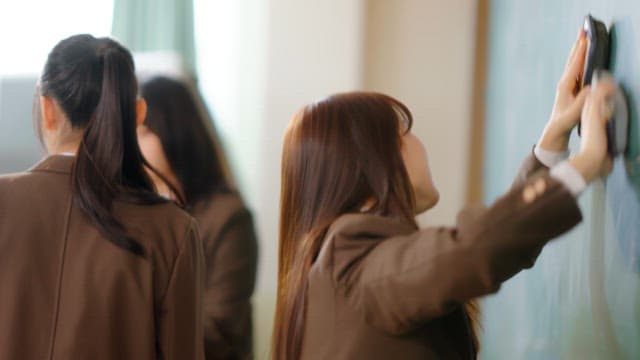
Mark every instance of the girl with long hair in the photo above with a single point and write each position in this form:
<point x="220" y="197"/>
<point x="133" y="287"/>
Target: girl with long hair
<point x="179" y="141"/>
<point x="94" y="264"/>
<point x="357" y="277"/>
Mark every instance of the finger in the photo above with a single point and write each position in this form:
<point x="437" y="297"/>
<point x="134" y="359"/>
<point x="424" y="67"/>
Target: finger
<point x="601" y="96"/>
<point x="607" y="108"/>
<point x="594" y="135"/>
<point x="593" y="119"/>
<point x="603" y="79"/>
<point x="574" y="48"/>
<point x="575" y="66"/>
<point x="574" y="110"/>
<point x="592" y="114"/>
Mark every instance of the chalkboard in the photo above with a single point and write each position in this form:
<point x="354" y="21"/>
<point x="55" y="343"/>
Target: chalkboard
<point x="582" y="298"/>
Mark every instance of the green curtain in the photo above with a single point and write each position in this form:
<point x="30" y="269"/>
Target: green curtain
<point x="156" y="25"/>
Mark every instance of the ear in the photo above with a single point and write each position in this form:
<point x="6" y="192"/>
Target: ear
<point x="48" y="112"/>
<point x="141" y="111"/>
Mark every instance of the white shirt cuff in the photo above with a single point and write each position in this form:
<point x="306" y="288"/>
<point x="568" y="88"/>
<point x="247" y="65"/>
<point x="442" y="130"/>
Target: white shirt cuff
<point x="569" y="177"/>
<point x="550" y="158"/>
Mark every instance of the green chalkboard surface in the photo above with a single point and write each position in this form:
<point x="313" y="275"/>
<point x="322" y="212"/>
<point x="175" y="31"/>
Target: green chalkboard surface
<point x="582" y="298"/>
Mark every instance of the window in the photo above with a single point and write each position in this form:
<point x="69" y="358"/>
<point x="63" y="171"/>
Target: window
<point x="30" y="28"/>
<point x="28" y="31"/>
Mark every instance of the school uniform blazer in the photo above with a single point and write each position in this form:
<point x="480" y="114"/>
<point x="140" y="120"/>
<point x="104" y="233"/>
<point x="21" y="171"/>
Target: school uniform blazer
<point x="381" y="289"/>
<point x="231" y="251"/>
<point x="68" y="293"/>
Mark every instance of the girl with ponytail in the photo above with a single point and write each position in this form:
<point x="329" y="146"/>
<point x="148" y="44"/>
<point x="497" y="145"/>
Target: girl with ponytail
<point x="93" y="264"/>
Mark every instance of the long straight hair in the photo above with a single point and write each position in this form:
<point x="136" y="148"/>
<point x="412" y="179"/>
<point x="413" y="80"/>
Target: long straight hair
<point x="93" y="81"/>
<point x="338" y="154"/>
<point x="177" y="115"/>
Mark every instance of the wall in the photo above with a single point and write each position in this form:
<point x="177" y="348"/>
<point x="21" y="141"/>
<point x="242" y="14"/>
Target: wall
<point x="19" y="147"/>
<point x="582" y="299"/>
<point x="422" y="52"/>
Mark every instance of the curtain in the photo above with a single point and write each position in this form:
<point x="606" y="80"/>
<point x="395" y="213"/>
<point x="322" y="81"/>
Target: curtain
<point x="156" y="25"/>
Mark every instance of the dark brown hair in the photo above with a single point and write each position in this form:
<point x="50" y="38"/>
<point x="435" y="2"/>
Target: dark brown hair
<point x="93" y="81"/>
<point x="338" y="154"/>
<point x="177" y="115"/>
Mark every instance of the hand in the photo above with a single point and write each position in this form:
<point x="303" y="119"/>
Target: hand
<point x="593" y="161"/>
<point x="567" y="106"/>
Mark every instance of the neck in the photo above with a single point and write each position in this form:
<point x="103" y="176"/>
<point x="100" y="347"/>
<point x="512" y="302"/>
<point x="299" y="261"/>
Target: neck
<point x="66" y="142"/>
<point x="370" y="203"/>
<point x="162" y="188"/>
<point x="65" y="149"/>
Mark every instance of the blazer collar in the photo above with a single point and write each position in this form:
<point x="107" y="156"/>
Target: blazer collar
<point x="55" y="163"/>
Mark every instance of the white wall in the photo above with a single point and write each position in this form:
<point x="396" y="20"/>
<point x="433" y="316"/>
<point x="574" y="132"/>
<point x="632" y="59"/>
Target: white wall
<point x="313" y="49"/>
<point x="422" y="52"/>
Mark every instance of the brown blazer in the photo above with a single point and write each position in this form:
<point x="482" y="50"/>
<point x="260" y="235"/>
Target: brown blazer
<point x="231" y="252"/>
<point x="380" y="289"/>
<point x="68" y="293"/>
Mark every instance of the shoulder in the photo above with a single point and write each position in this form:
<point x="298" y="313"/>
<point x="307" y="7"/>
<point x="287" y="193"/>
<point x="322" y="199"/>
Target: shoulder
<point x="160" y="215"/>
<point x="13" y="187"/>
<point x="164" y="227"/>
<point x="169" y="236"/>
<point x="41" y="178"/>
<point x="352" y="236"/>
<point x="217" y="211"/>
<point x="362" y="227"/>
<point x="219" y="205"/>
<point x="8" y="180"/>
<point x="28" y="184"/>
<point x="20" y="178"/>
<point x="356" y="225"/>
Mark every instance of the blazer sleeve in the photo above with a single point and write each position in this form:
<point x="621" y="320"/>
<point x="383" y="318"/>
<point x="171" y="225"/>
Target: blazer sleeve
<point x="180" y="321"/>
<point x="231" y="273"/>
<point x="530" y="166"/>
<point x="404" y="281"/>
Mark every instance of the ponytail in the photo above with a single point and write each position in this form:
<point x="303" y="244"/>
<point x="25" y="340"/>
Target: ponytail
<point x="94" y="82"/>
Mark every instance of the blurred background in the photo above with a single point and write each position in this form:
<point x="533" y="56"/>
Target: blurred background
<point x="478" y="75"/>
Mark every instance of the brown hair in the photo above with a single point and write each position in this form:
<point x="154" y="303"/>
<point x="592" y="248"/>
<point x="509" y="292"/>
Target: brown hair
<point x="338" y="154"/>
<point x="177" y="115"/>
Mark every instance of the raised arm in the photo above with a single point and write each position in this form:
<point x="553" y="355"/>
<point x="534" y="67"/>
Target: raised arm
<point x="553" y="145"/>
<point x="402" y="282"/>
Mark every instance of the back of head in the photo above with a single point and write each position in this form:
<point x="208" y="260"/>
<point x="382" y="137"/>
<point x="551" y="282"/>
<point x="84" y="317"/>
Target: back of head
<point x="339" y="154"/>
<point x="177" y="116"/>
<point x="93" y="81"/>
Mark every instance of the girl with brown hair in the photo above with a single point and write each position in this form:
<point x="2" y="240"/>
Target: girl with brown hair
<point x="180" y="143"/>
<point x="358" y="279"/>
